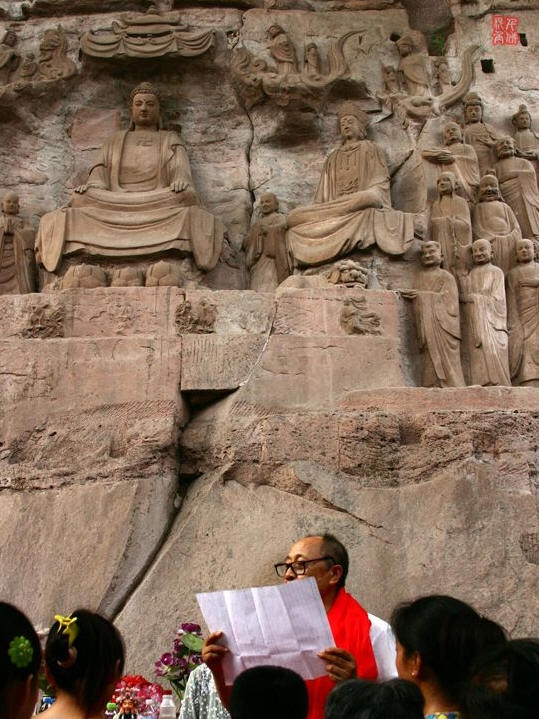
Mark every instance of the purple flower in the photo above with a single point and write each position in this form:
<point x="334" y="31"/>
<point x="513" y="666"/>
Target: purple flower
<point x="167" y="659"/>
<point x="191" y="627"/>
<point x="178" y="646"/>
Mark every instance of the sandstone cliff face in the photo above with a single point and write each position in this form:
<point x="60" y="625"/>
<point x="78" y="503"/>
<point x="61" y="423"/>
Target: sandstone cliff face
<point x="150" y="449"/>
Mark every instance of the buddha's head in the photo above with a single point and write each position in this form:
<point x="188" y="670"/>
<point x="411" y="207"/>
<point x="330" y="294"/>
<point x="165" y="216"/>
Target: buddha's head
<point x="447" y="184"/>
<point x="481" y="252"/>
<point x="268" y="203"/>
<point x="522" y="119"/>
<point x="145" y="108"/>
<point x="431" y="254"/>
<point x="489" y="189"/>
<point x="473" y="108"/>
<point x="505" y="147"/>
<point x="525" y="251"/>
<point x="10" y="203"/>
<point x="353" y="122"/>
<point x="452" y="133"/>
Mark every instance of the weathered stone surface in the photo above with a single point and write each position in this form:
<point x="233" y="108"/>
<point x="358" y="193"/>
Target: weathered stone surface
<point x="85" y="545"/>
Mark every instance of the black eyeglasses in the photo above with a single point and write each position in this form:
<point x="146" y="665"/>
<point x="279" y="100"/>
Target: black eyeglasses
<point x="298" y="567"/>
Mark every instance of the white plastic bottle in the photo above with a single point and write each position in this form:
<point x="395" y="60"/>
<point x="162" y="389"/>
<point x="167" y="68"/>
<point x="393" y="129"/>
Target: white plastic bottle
<point x="149" y="711"/>
<point x="167" y="710"/>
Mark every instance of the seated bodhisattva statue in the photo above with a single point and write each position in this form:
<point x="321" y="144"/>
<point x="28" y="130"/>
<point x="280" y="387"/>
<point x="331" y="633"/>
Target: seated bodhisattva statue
<point x="352" y="205"/>
<point x="139" y="200"/>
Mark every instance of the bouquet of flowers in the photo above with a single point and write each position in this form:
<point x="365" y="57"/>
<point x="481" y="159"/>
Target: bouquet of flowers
<point x="175" y="666"/>
<point x="136" y="689"/>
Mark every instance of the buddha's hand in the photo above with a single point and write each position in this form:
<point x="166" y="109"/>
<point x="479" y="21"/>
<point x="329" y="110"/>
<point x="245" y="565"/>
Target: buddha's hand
<point x="81" y="189"/>
<point x="340" y="664"/>
<point x="179" y="186"/>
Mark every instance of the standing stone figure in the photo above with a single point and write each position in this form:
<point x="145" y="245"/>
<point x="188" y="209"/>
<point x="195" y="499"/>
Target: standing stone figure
<point x="413" y="64"/>
<point x="17" y="265"/>
<point x="282" y="50"/>
<point x="479" y="134"/>
<point x="458" y="157"/>
<point x="526" y="141"/>
<point x="9" y="58"/>
<point x="518" y="185"/>
<point x="436" y="305"/>
<point x="311" y="61"/>
<point x="451" y="226"/>
<point x="495" y="221"/>
<point x="486" y="316"/>
<point x="139" y="200"/>
<point x="352" y="205"/>
<point x="265" y="247"/>
<point x="523" y="316"/>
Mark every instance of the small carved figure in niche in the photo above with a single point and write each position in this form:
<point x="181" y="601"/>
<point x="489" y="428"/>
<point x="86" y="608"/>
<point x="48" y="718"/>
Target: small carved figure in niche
<point x="451" y="226"/>
<point x="477" y="133"/>
<point x="53" y="60"/>
<point x="9" y="58"/>
<point x="523" y="316"/>
<point x="282" y="50"/>
<point x="483" y="293"/>
<point x="352" y="205"/>
<point x="311" y="61"/>
<point x="349" y="273"/>
<point x="518" y="185"/>
<point x="459" y="158"/>
<point x="526" y="140"/>
<point x="413" y="64"/>
<point x="17" y="263"/>
<point x="44" y="320"/>
<point x="441" y="75"/>
<point x="436" y="307"/>
<point x="390" y="80"/>
<point x="495" y="221"/>
<point x="139" y="199"/>
<point x="356" y="319"/>
<point x="199" y="318"/>
<point x="266" y="255"/>
<point x="27" y="71"/>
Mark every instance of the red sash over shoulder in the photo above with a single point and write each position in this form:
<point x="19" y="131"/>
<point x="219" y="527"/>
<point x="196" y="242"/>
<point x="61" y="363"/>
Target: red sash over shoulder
<point x="350" y="625"/>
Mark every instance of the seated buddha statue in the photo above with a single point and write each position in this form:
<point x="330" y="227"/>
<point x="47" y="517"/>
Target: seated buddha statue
<point x="138" y="201"/>
<point x="352" y="205"/>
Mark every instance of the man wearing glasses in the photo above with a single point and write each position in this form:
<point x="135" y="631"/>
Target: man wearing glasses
<point x="356" y="633"/>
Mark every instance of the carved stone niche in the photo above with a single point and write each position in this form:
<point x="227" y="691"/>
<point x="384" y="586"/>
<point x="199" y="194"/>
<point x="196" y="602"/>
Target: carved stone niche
<point x="160" y="31"/>
<point x="138" y="207"/>
<point x="285" y="79"/>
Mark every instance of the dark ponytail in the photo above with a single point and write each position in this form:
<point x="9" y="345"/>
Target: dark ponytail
<point x="83" y="663"/>
<point x="448" y="635"/>
<point x="20" y="651"/>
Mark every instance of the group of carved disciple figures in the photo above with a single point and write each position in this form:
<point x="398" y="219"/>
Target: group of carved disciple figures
<point x="477" y="262"/>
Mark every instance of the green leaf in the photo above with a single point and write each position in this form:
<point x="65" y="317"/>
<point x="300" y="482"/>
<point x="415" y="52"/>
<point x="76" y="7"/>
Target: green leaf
<point x="192" y="642"/>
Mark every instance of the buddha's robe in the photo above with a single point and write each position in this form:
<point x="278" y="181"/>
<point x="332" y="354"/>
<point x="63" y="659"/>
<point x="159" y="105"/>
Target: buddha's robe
<point x="518" y="185"/>
<point x="487" y="326"/>
<point x="266" y="254"/>
<point x="495" y="221"/>
<point x="436" y="307"/>
<point x="482" y="137"/>
<point x="17" y="270"/>
<point x="129" y="209"/>
<point x="527" y="141"/>
<point x="452" y="229"/>
<point x="352" y="210"/>
<point x="523" y="321"/>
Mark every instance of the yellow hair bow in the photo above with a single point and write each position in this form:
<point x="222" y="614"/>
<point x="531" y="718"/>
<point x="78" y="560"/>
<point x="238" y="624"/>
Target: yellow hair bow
<point x="68" y="626"/>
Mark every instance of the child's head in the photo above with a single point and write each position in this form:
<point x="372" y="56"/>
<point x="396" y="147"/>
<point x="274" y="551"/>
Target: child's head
<point x="361" y="699"/>
<point x="20" y="658"/>
<point x="85" y="657"/>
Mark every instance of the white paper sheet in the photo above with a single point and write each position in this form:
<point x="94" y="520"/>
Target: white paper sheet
<point x="284" y="625"/>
